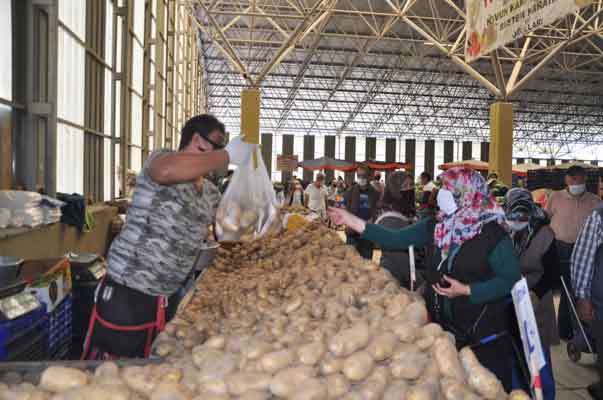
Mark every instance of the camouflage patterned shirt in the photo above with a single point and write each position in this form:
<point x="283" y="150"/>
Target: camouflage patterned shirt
<point x="165" y="225"/>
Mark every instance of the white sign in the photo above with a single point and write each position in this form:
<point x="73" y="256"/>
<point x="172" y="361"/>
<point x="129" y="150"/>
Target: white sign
<point x="491" y="24"/>
<point x="528" y="328"/>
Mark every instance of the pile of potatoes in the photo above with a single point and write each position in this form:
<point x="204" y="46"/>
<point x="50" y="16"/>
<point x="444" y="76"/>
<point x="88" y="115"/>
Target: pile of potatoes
<point x="312" y="321"/>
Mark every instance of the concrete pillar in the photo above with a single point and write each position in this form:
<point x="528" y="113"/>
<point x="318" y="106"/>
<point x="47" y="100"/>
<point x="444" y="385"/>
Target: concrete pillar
<point x="429" y="156"/>
<point x="287" y="151"/>
<point x="485" y="151"/>
<point x="350" y="155"/>
<point x="267" y="152"/>
<point x="411" y="145"/>
<point x="448" y="151"/>
<point x="501" y="141"/>
<point x="330" y="152"/>
<point x="521" y="161"/>
<point x="550" y="162"/>
<point x="467" y="151"/>
<point x="370" y="147"/>
<point x="390" y="150"/>
<point x="308" y="175"/>
<point x="536" y="161"/>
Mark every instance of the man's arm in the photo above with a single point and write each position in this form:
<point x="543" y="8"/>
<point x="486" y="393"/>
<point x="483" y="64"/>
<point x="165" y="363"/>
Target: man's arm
<point x="583" y="257"/>
<point x="180" y="167"/>
<point x="549" y="204"/>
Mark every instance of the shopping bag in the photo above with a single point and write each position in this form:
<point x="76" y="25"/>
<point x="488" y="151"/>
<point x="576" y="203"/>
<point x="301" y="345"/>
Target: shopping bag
<point x="249" y="208"/>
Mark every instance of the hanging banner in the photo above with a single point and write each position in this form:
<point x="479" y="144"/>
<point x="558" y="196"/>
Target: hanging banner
<point x="286" y="163"/>
<point x="491" y="24"/>
<point x="527" y="326"/>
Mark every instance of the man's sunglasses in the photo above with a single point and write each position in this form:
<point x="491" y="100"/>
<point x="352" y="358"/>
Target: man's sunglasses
<point x="217" y="146"/>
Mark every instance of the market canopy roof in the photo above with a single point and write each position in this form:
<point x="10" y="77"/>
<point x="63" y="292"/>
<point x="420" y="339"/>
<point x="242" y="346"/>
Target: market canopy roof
<point x="397" y="69"/>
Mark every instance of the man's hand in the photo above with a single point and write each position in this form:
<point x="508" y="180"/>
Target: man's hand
<point x="239" y="152"/>
<point x="586" y="312"/>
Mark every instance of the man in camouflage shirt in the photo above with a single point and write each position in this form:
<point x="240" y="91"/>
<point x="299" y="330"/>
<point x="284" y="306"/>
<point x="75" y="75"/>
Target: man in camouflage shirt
<point x="171" y="209"/>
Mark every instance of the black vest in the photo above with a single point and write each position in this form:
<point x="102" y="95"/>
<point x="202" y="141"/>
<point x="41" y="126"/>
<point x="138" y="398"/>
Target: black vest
<point x="470" y="322"/>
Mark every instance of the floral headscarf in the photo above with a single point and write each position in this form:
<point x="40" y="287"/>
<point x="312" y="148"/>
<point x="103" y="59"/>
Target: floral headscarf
<point x="476" y="207"/>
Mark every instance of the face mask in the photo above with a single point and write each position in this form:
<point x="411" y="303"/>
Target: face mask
<point x="577" y="190"/>
<point x="362" y="181"/>
<point x="517" y="226"/>
<point x="446" y="202"/>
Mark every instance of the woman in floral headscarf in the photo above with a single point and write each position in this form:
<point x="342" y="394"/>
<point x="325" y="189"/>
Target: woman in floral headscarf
<point x="471" y="265"/>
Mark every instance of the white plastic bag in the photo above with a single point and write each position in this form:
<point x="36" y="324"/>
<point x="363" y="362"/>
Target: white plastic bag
<point x="249" y="208"/>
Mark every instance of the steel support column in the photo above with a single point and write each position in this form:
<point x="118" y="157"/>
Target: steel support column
<point x="501" y="140"/>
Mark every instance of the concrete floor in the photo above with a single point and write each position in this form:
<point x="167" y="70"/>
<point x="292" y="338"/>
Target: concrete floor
<point x="571" y="378"/>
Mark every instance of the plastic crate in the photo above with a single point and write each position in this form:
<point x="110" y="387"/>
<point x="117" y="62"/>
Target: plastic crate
<point x="29" y="344"/>
<point x="13" y="329"/>
<point x="60" y="322"/>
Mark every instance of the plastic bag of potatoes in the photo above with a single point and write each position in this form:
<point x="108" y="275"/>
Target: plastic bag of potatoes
<point x="249" y="208"/>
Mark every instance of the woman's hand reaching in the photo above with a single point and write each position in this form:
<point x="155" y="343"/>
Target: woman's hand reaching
<point x="455" y="289"/>
<point x="339" y="216"/>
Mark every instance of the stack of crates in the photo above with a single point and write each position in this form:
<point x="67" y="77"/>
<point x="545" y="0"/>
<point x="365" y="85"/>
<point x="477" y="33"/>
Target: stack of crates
<point x="25" y="338"/>
<point x="60" y="329"/>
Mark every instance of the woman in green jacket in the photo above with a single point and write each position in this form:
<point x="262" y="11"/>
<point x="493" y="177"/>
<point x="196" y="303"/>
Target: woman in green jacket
<point x="471" y="265"/>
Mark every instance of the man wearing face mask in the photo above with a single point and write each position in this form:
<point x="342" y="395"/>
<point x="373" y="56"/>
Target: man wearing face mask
<point x="172" y="207"/>
<point x="568" y="210"/>
<point x="361" y="200"/>
<point x="533" y="241"/>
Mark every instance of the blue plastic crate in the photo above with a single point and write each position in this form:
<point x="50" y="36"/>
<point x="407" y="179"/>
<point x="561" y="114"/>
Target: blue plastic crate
<point x="28" y="344"/>
<point x="13" y="329"/>
<point x="60" y="327"/>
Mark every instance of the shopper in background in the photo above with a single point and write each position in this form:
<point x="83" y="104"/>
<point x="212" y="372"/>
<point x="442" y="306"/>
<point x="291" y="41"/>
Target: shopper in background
<point x="471" y="265"/>
<point x="428" y="188"/>
<point x="533" y="241"/>
<point x="587" y="281"/>
<point x="315" y="196"/>
<point x="361" y="200"/>
<point x="397" y="212"/>
<point x="296" y="197"/>
<point x="153" y="256"/>
<point x="377" y="184"/>
<point x="279" y="190"/>
<point x="568" y="210"/>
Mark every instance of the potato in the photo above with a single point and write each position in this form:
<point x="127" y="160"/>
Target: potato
<point x="382" y="346"/>
<point x="210" y="396"/>
<point x="409" y="367"/>
<point x="421" y="392"/>
<point x="396" y="390"/>
<point x="358" y="366"/>
<point x="455" y="390"/>
<point x="479" y="378"/>
<point x="396" y="305"/>
<point x="256" y="349"/>
<point x="216" y="386"/>
<point x="337" y="385"/>
<point x="277" y="360"/>
<point x="417" y="313"/>
<point x="242" y="382"/>
<point x="445" y="354"/>
<point x="255" y="395"/>
<point x="137" y="379"/>
<point x="58" y="379"/>
<point x="170" y="391"/>
<point x="350" y="340"/>
<point x="311" y="389"/>
<point x="330" y="365"/>
<point x="518" y="395"/>
<point x="406" y="332"/>
<point x="311" y="353"/>
<point x="284" y="383"/>
<point x="96" y="392"/>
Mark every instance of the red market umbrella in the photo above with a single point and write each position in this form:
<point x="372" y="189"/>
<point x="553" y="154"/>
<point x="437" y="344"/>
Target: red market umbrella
<point x="386" y="166"/>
